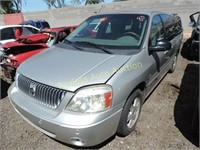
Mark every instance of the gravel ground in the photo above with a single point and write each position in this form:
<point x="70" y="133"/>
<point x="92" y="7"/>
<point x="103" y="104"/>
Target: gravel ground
<point x="166" y="120"/>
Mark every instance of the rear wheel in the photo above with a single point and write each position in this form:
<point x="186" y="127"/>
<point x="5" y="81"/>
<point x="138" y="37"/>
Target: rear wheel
<point x="130" y="114"/>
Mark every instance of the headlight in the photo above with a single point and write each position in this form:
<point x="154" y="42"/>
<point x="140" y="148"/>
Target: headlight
<point x="91" y="99"/>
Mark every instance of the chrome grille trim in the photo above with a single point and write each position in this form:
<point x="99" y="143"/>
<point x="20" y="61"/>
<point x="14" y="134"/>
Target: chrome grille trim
<point x="45" y="95"/>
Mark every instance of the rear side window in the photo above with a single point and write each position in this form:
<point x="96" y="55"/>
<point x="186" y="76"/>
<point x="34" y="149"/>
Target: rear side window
<point x="45" y="24"/>
<point x="157" y="31"/>
<point x="7" y="33"/>
<point x="177" y="25"/>
<point x="32" y="30"/>
<point x="172" y="25"/>
<point x="168" y="25"/>
<point x="38" y="25"/>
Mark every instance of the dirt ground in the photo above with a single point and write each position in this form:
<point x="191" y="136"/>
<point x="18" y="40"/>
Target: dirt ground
<point x="167" y="120"/>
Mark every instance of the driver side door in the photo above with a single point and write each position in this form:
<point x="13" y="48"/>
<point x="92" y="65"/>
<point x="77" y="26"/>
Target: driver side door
<point x="156" y="59"/>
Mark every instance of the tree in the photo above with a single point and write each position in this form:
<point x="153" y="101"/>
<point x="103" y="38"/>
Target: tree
<point x="50" y="3"/>
<point x="55" y="3"/>
<point x="61" y="3"/>
<point x="10" y="6"/>
<point x="18" y="4"/>
<point x="119" y="0"/>
<point x="2" y="11"/>
<point x="90" y="2"/>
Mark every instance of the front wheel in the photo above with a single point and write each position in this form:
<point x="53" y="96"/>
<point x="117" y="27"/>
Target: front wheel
<point x="130" y="114"/>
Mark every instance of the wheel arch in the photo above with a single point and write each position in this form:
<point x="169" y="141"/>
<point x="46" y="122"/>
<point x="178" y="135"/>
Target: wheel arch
<point x="122" y="131"/>
<point x="142" y="87"/>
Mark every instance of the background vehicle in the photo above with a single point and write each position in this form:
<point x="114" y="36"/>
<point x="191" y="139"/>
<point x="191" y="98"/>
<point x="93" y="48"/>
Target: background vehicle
<point x="103" y="78"/>
<point x="11" y="32"/>
<point x="14" y="53"/>
<point x="194" y="45"/>
<point x="40" y="24"/>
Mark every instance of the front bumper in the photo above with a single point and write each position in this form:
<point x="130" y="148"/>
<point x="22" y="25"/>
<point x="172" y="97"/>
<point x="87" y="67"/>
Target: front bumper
<point x="96" y="129"/>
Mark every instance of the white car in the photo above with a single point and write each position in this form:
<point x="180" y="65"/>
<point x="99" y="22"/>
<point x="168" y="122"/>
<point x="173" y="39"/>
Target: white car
<point x="8" y="32"/>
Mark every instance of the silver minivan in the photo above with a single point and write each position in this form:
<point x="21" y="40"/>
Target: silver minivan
<point x="93" y="84"/>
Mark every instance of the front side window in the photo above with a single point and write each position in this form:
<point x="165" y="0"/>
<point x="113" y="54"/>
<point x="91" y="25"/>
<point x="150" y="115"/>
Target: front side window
<point x="157" y="31"/>
<point x="195" y="18"/>
<point x="198" y="19"/>
<point x="113" y="31"/>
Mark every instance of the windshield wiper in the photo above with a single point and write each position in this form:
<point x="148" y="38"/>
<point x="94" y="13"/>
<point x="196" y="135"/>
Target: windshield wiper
<point x="94" y="45"/>
<point x="69" y="42"/>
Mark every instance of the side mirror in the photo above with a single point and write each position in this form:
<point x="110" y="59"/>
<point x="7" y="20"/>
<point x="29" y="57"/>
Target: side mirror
<point x="160" y="46"/>
<point x="191" y="24"/>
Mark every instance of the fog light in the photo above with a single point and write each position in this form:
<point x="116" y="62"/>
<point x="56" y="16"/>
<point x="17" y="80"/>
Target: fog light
<point x="76" y="141"/>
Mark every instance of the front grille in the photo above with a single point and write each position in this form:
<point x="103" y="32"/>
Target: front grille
<point x="45" y="95"/>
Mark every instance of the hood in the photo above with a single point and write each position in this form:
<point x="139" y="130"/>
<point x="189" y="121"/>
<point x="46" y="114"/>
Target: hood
<point x="27" y="41"/>
<point x="16" y="48"/>
<point x="17" y="44"/>
<point x="71" y="69"/>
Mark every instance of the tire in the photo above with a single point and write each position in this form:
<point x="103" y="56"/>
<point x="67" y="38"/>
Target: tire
<point x="174" y="64"/>
<point x="130" y="115"/>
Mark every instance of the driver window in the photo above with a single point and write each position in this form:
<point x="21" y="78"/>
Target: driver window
<point x="157" y="31"/>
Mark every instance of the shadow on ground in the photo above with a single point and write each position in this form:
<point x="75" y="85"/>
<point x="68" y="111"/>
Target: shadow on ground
<point x="185" y="51"/>
<point x="4" y="89"/>
<point x="186" y="110"/>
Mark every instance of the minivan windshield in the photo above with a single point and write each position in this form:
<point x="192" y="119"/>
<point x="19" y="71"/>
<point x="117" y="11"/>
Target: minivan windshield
<point x="115" y="32"/>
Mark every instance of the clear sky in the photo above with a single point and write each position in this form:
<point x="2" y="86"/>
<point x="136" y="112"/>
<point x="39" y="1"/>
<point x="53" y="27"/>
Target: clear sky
<point x="33" y="5"/>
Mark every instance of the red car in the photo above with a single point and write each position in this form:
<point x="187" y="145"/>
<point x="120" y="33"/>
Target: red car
<point x="12" y="54"/>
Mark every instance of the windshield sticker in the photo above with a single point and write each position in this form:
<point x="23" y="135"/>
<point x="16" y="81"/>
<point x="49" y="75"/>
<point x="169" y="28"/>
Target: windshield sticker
<point x="141" y="18"/>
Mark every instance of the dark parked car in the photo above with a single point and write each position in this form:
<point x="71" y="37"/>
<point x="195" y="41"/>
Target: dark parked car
<point x="194" y="43"/>
<point x="40" y="24"/>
